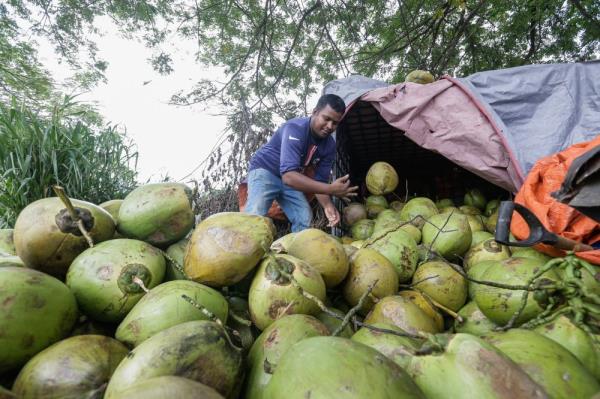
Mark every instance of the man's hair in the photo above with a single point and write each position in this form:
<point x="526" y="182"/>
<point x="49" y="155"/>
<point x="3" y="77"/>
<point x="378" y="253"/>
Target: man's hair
<point x="335" y="102"/>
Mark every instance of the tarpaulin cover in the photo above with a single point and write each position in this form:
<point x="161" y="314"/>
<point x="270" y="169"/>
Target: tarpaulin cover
<point x="547" y="176"/>
<point x="495" y="124"/>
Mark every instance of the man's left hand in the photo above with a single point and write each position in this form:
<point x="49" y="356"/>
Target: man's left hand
<point x="333" y="216"/>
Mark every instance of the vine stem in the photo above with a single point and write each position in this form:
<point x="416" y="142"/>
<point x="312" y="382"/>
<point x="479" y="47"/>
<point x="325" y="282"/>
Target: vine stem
<point x="442" y="307"/>
<point x="355" y="309"/>
<point x="60" y="192"/>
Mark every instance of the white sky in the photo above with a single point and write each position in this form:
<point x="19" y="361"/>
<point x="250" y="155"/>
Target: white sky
<point x="170" y="140"/>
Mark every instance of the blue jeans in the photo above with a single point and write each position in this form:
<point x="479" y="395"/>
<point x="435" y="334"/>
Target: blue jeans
<point x="264" y="187"/>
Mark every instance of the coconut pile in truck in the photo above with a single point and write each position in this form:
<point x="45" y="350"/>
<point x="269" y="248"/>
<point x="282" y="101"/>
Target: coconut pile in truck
<point x="424" y="290"/>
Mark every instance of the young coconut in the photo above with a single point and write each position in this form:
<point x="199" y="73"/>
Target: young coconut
<point x="226" y="246"/>
<point x="362" y="229"/>
<point x="323" y="253"/>
<point x="399" y="248"/>
<point x="106" y="279"/>
<point x="37" y="310"/>
<point x="491" y="207"/>
<point x="381" y="178"/>
<point x="474" y="321"/>
<point x="444" y="203"/>
<point x="9" y="260"/>
<point x="425" y="305"/>
<point x="441" y="283"/>
<point x="476" y="222"/>
<point x="479" y="236"/>
<point x="112" y="207"/>
<point x="272" y="344"/>
<point x="490" y="223"/>
<point x="272" y="294"/>
<point x="529" y="252"/>
<point x="47" y="239"/>
<point x="583" y="346"/>
<point x="486" y="250"/>
<point x="548" y="363"/>
<point x="165" y="306"/>
<point x="77" y="367"/>
<point x="160" y="214"/>
<point x="396" y="348"/>
<point x="368" y="267"/>
<point x="326" y="367"/>
<point x="475" y="198"/>
<point x="376" y="200"/>
<point x="448" y="234"/>
<point x="468" y="367"/>
<point x="168" y="386"/>
<point x="499" y="304"/>
<point x="333" y="323"/>
<point x="397" y="205"/>
<point x="402" y="313"/>
<point x="199" y="350"/>
<point x="353" y="213"/>
<point x="417" y="210"/>
<point x="469" y="210"/>
<point x="282" y="245"/>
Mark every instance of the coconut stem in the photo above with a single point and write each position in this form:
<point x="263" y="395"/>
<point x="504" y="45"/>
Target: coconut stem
<point x="442" y="307"/>
<point x="212" y="317"/>
<point x="354" y="310"/>
<point x="239" y="319"/>
<point x="60" y="192"/>
<point x="175" y="263"/>
<point x="324" y="308"/>
<point x="140" y="283"/>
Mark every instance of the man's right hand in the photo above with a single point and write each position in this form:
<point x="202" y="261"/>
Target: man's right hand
<point x="341" y="188"/>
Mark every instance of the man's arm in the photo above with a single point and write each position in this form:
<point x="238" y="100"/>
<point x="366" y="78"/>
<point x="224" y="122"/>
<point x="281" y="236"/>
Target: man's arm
<point x="339" y="188"/>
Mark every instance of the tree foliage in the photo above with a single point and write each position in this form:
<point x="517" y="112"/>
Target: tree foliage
<point x="276" y="54"/>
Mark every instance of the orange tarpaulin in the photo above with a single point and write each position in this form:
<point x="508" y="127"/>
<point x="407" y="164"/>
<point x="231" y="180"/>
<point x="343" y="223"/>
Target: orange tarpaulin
<point x="545" y="177"/>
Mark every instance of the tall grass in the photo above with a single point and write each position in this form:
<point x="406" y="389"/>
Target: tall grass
<point x="38" y="150"/>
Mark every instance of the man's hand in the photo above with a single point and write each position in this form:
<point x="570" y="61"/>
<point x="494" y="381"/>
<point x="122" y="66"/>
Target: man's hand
<point x="332" y="215"/>
<point x="341" y="188"/>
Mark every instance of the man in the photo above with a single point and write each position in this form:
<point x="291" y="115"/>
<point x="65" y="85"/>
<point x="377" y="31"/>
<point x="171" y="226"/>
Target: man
<point x="298" y="160"/>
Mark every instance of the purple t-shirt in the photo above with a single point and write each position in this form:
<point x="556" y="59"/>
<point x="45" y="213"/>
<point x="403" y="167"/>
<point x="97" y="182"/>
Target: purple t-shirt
<point x="287" y="150"/>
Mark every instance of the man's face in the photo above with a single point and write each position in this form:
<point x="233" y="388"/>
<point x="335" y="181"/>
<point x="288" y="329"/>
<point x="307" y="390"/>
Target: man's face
<point x="324" y="121"/>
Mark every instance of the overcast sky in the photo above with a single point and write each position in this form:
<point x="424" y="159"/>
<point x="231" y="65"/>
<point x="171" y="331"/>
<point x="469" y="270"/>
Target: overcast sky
<point x="170" y="140"/>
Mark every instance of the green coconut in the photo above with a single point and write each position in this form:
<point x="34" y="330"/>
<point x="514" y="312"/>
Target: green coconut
<point x="168" y="386"/>
<point x="419" y="76"/>
<point x="362" y="229"/>
<point x="239" y="320"/>
<point x="499" y="304"/>
<point x="479" y="236"/>
<point x="87" y="326"/>
<point x="103" y="278"/>
<point x="77" y="367"/>
<point x="469" y="210"/>
<point x="11" y="261"/>
<point x="174" y="267"/>
<point x="441" y="283"/>
<point x="474" y="321"/>
<point x="381" y="178"/>
<point x="7" y="245"/>
<point x="548" y="363"/>
<point x="358" y="244"/>
<point x="448" y="234"/>
<point x="165" y="306"/>
<point x="368" y="267"/>
<point x="398" y="349"/>
<point x="444" y="203"/>
<point x="448" y="209"/>
<point x="349" y="250"/>
<point x="486" y="250"/>
<point x="374" y="210"/>
<point x="272" y="295"/>
<point x="469" y="367"/>
<point x="377" y="200"/>
<point x="311" y="244"/>
<point x="426" y="254"/>
<point x="47" y="239"/>
<point x="159" y="213"/>
<point x="529" y="252"/>
<point x="112" y="207"/>
<point x="425" y="305"/>
<point x="282" y="244"/>
<point x="476" y="222"/>
<point x="333" y="367"/>
<point x="476" y="272"/>
<point x="475" y="198"/>
<point x="199" y="350"/>
<point x="402" y="313"/>
<point x="490" y="223"/>
<point x="417" y="210"/>
<point x="36" y="310"/>
<point x="563" y="331"/>
<point x="399" y="248"/>
<point x="387" y="215"/>
<point x="226" y="246"/>
<point x="272" y="344"/>
<point x="491" y="207"/>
